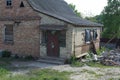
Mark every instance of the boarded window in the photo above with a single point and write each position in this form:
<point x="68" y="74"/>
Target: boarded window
<point x="62" y="38"/>
<point x="9" y="2"/>
<point x="87" y="35"/>
<point x="8" y="34"/>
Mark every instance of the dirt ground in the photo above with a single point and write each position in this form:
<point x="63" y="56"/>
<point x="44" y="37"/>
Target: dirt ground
<point x="77" y="73"/>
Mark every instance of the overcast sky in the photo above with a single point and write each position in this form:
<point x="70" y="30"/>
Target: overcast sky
<point x="89" y="7"/>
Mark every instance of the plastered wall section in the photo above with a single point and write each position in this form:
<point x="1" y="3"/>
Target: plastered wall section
<point x="79" y="38"/>
<point x="65" y="52"/>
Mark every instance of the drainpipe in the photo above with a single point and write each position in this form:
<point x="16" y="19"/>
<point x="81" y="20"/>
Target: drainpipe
<point x="74" y="42"/>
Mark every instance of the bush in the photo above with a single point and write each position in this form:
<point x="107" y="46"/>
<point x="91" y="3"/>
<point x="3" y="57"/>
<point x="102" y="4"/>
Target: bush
<point x="29" y="57"/>
<point x="70" y="60"/>
<point x="99" y="51"/>
<point x="73" y="61"/>
<point x="6" y="53"/>
<point x="3" y="72"/>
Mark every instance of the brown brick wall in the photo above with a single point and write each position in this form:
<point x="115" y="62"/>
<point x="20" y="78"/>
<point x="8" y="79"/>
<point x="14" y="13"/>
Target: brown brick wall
<point x="15" y="10"/>
<point x="26" y="34"/>
<point x="26" y="38"/>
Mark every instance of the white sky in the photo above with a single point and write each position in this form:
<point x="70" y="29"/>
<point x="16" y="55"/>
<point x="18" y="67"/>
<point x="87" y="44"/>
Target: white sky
<point x="89" y="7"/>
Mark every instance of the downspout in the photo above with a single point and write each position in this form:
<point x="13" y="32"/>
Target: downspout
<point x="74" y="42"/>
<point x="39" y="38"/>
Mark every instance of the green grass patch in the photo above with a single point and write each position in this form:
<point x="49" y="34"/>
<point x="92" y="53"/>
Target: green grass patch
<point x="48" y="74"/>
<point x="3" y="72"/>
<point x="88" y="71"/>
<point x="114" y="79"/>
<point x="41" y="74"/>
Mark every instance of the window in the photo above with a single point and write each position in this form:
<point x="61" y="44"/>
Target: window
<point x="87" y="35"/>
<point x="22" y="4"/>
<point x="44" y="37"/>
<point x="8" y="36"/>
<point x="9" y="2"/>
<point x="95" y="35"/>
<point x="90" y="35"/>
<point x="62" y="38"/>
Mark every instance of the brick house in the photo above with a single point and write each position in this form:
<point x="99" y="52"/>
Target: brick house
<point x="44" y="28"/>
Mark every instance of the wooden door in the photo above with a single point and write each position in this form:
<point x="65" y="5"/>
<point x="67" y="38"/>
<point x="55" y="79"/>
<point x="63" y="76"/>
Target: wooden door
<point x="52" y="44"/>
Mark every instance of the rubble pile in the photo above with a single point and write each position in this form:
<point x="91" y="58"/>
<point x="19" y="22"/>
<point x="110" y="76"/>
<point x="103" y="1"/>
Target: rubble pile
<point x="111" y="58"/>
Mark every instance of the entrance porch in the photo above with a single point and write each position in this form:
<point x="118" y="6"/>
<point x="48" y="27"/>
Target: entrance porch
<point x="53" y="41"/>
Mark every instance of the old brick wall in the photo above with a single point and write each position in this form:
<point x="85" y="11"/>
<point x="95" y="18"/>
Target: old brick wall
<point x="15" y="10"/>
<point x="26" y="33"/>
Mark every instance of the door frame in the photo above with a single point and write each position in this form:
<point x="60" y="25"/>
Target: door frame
<point x="52" y="35"/>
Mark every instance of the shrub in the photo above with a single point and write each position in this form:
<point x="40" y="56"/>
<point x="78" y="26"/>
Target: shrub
<point x="29" y="57"/>
<point x="70" y="60"/>
<point x="73" y="61"/>
<point x="6" y="53"/>
<point x="99" y="51"/>
<point x="3" y="71"/>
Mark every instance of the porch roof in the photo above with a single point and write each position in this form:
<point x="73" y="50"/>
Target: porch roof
<point x="60" y="10"/>
<point x="53" y="27"/>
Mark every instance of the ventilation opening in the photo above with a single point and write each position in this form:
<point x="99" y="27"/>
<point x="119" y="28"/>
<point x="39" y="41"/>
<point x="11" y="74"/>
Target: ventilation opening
<point x="22" y="4"/>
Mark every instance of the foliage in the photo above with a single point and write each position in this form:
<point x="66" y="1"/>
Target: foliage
<point x="6" y="53"/>
<point x="97" y="18"/>
<point x="73" y="61"/>
<point x="111" y="19"/>
<point x="99" y="51"/>
<point x="75" y="10"/>
<point x="3" y="72"/>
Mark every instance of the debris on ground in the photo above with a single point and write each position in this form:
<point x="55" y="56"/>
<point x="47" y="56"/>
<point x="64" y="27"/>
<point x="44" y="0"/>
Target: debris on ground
<point x="111" y="58"/>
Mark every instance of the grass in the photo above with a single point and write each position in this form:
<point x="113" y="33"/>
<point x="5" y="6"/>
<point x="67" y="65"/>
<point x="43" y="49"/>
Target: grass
<point x="91" y="64"/>
<point x="42" y="74"/>
<point x="88" y="71"/>
<point x="36" y="74"/>
<point x="114" y="79"/>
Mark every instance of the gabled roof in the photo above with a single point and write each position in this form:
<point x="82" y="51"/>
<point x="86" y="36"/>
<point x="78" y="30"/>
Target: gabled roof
<point x="60" y="9"/>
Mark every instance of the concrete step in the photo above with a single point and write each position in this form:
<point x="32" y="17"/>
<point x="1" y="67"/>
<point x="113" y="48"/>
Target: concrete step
<point x="52" y="60"/>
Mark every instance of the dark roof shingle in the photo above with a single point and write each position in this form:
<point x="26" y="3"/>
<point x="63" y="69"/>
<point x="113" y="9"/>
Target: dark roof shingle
<point x="60" y="9"/>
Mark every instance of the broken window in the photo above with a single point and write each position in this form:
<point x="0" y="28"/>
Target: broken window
<point x="8" y="36"/>
<point x="22" y="4"/>
<point x="90" y="35"/>
<point x="9" y="2"/>
<point x="87" y="35"/>
<point x="95" y="35"/>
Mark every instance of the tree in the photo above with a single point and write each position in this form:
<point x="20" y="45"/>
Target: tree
<point x="97" y="18"/>
<point x="111" y="19"/>
<point x="75" y="10"/>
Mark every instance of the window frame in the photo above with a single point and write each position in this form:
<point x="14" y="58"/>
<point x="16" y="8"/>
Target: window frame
<point x="8" y="3"/>
<point x="22" y="4"/>
<point x="88" y="41"/>
<point x="44" y="38"/>
<point x="62" y="42"/>
<point x="8" y="41"/>
<point x="95" y="34"/>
